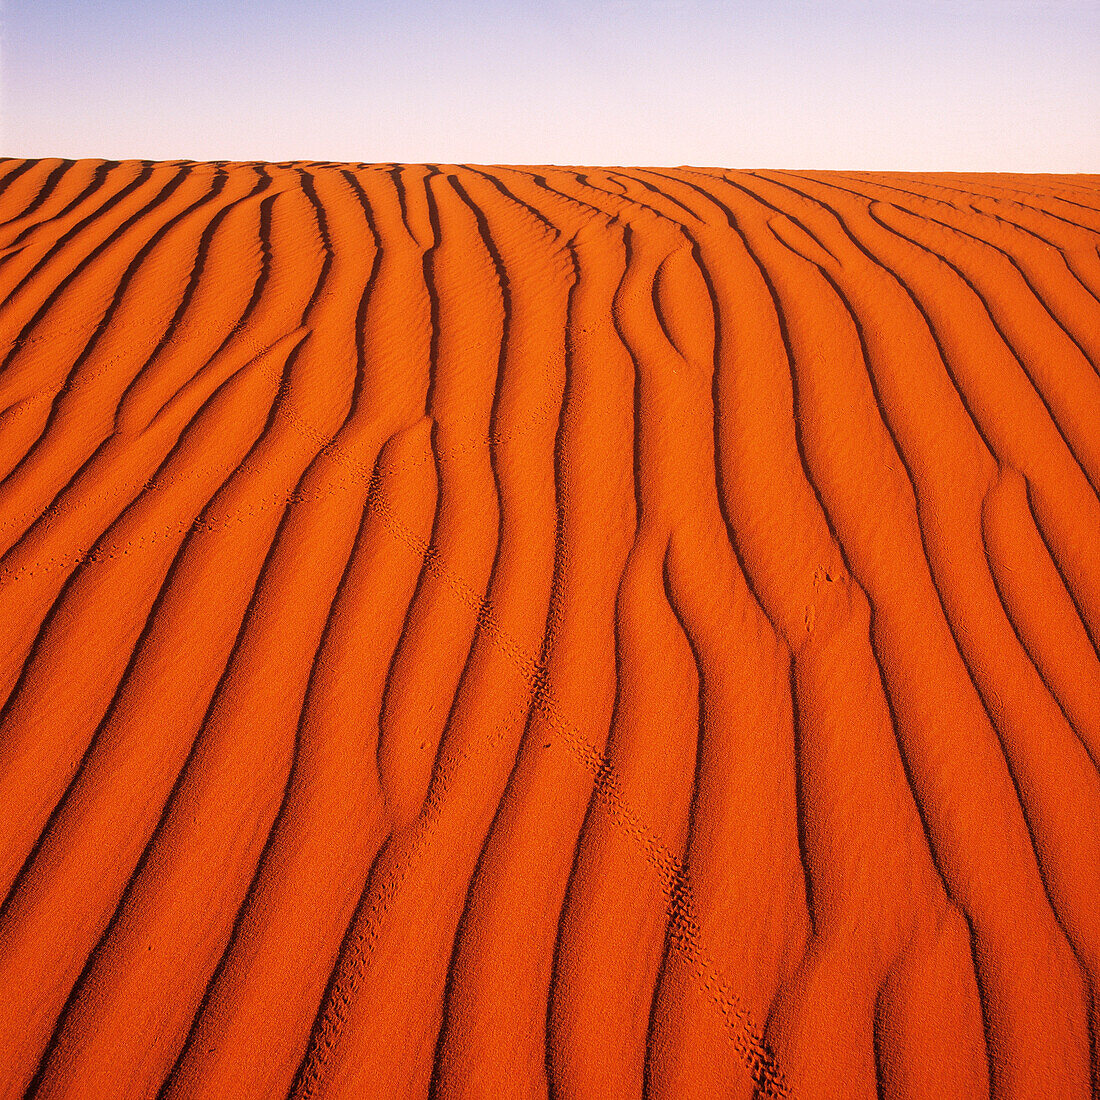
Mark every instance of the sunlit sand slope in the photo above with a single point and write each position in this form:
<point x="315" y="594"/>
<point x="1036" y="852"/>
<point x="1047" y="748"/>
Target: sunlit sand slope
<point x="529" y="633"/>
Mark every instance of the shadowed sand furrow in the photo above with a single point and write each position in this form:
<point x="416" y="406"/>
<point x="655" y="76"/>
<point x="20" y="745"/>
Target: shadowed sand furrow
<point x="1077" y="192"/>
<point x="83" y="411"/>
<point x="1077" y="248"/>
<point x="46" y="926"/>
<point x="1062" y="376"/>
<point x="824" y="622"/>
<point x="1033" y="1003"/>
<point x="548" y="633"/>
<point x="463" y="362"/>
<point x="208" y="841"/>
<point x="614" y="923"/>
<point x="1007" y="412"/>
<point x="396" y="956"/>
<point x="493" y="1036"/>
<point x="13" y="170"/>
<point x="672" y="345"/>
<point x="39" y="565"/>
<point x="744" y="742"/>
<point x="258" y="965"/>
<point x="1037" y="261"/>
<point x="1003" y="187"/>
<point x="1077" y="243"/>
<point x="1055" y="773"/>
<point x="50" y="186"/>
<point x="25" y="411"/>
<point x="89" y="281"/>
<point x="154" y="520"/>
<point x="200" y="610"/>
<point x="722" y="1003"/>
<point x="1011" y="690"/>
<point x="35" y="244"/>
<point x="333" y="818"/>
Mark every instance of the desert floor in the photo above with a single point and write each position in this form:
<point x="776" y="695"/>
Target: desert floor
<point x="548" y="633"/>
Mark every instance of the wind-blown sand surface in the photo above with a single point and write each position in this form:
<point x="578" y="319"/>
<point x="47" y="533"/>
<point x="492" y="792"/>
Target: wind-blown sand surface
<point x="527" y="632"/>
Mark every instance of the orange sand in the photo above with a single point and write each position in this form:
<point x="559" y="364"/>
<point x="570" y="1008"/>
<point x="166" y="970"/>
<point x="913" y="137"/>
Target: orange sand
<point x="540" y="633"/>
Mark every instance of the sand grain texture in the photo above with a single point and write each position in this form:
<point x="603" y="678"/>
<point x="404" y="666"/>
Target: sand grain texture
<point x="548" y="633"/>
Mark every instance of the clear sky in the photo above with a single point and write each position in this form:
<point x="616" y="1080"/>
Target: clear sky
<point x="983" y="85"/>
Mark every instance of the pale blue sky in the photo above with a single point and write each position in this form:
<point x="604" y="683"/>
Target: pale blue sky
<point x="997" y="85"/>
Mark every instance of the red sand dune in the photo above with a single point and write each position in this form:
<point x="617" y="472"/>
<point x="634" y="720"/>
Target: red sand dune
<point x="529" y="633"/>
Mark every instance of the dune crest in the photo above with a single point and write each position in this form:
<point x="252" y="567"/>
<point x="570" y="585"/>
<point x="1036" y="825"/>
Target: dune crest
<point x="538" y="632"/>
